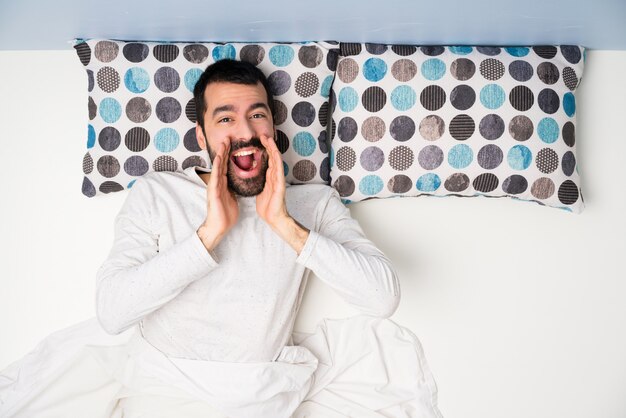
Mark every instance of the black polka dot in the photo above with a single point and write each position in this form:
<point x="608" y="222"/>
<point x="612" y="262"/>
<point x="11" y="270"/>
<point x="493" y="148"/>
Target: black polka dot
<point x="485" y="183"/>
<point x="545" y="51"/>
<point x="457" y="182"/>
<point x="331" y="59"/>
<point x="92" y="108"/>
<point x="432" y="51"/>
<point x="491" y="127"/>
<point x="375" y="49"/>
<point x="433" y="97"/>
<point x="136" y="52"/>
<point x="325" y="170"/>
<point x="167" y="79"/>
<point x="110" y="187"/>
<point x="165" y="163"/>
<point x="399" y="184"/>
<point x="462" y="127"/>
<point x="136" y="166"/>
<point x="196" y="53"/>
<point x="109" y="139"/>
<point x="347" y="129"/>
<point x="489" y="50"/>
<point x="349" y="48"/>
<point x="138" y="110"/>
<point x="489" y="157"/>
<point x="404" y="50"/>
<point x="521" y="70"/>
<point x="90" y="82"/>
<point x="521" y="128"/>
<point x="88" y="188"/>
<point x="282" y="141"/>
<point x="401" y="158"/>
<point x="322" y="114"/>
<point x="568" y="163"/>
<point x="137" y="139"/>
<point x="279" y="82"/>
<point x="374" y="99"/>
<point x="547" y="160"/>
<point x="462" y="69"/>
<point x="569" y="134"/>
<point x="402" y="128"/>
<point x="549" y="101"/>
<point x="344" y="186"/>
<point x="303" y="114"/>
<point x="108" y="79"/>
<point x="492" y="69"/>
<point x="571" y="53"/>
<point x="190" y="110"/>
<point x="168" y="110"/>
<point x="193" y="161"/>
<point x="570" y="78"/>
<point x="166" y="52"/>
<point x="190" y="141"/>
<point x="253" y="54"/>
<point x="521" y="98"/>
<point x="310" y="56"/>
<point x="108" y="166"/>
<point x="345" y="158"/>
<point x="280" y="112"/>
<point x="87" y="163"/>
<point x="304" y="170"/>
<point x="548" y="73"/>
<point x="568" y="192"/>
<point x="307" y="84"/>
<point x="84" y="55"/>
<point x="322" y="141"/>
<point x="462" y="97"/>
<point x="515" y="184"/>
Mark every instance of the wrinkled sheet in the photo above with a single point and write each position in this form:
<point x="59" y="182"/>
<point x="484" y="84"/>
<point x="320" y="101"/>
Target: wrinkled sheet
<point x="354" y="367"/>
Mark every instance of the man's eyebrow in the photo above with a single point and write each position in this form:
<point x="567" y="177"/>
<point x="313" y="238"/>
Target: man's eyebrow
<point x="259" y="105"/>
<point x="225" y="108"/>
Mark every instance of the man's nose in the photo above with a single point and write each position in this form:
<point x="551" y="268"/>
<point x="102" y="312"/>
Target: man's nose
<point x="245" y="130"/>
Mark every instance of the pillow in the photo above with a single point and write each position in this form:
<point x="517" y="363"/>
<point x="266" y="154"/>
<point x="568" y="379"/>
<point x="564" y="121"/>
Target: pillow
<point x="142" y="113"/>
<point x="457" y="120"/>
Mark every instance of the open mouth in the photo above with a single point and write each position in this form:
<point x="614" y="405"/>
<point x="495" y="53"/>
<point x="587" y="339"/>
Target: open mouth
<point x="246" y="161"/>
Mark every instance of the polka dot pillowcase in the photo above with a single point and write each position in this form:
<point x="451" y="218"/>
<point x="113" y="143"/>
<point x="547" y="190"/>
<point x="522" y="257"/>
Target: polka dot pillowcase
<point x="142" y="113"/>
<point x="461" y="121"/>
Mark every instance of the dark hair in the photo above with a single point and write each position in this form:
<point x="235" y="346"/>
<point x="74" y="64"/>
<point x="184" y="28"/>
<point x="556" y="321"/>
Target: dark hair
<point x="228" y="71"/>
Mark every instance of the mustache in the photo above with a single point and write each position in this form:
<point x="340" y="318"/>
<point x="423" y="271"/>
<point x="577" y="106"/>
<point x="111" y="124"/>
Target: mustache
<point x="252" y="142"/>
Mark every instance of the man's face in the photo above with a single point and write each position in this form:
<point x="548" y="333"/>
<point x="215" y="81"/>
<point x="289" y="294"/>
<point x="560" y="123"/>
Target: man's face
<point x="238" y="114"/>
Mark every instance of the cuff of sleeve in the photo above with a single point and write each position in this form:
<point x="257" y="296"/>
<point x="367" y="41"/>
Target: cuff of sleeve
<point x="309" y="245"/>
<point x="208" y="257"/>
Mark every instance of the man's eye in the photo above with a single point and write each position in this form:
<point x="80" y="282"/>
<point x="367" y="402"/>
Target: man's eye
<point x="258" y="116"/>
<point x="224" y="120"/>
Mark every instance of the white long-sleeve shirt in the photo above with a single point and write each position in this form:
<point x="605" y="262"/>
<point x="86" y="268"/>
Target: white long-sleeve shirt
<point x="239" y="303"/>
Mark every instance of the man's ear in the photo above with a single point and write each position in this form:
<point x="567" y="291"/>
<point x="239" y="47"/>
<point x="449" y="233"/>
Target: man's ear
<point x="200" y="137"/>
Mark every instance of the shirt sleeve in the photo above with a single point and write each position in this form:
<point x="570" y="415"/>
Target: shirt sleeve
<point x="342" y="257"/>
<point x="137" y="278"/>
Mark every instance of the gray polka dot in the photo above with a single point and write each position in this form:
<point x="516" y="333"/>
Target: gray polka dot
<point x="515" y="184"/>
<point x="310" y="56"/>
<point x="138" y="110"/>
<point x="401" y="158"/>
<point x="403" y="70"/>
<point x="432" y="51"/>
<point x="372" y="158"/>
<point x="344" y="186"/>
<point x="345" y="158"/>
<point x="280" y="82"/>
<point x="110" y="187"/>
<point x="399" y="184"/>
<point x="168" y="110"/>
<point x="347" y="70"/>
<point x="136" y="166"/>
<point x="488" y="50"/>
<point x="430" y="157"/>
<point x="432" y="127"/>
<point x="196" y="53"/>
<point x="373" y="129"/>
<point x="490" y="156"/>
<point x="457" y="182"/>
<point x="190" y="110"/>
<point x="347" y="129"/>
<point x="92" y="108"/>
<point x="569" y="134"/>
<point x="282" y="141"/>
<point x="194" y="161"/>
<point x="307" y="84"/>
<point x="165" y="163"/>
<point x="136" y="52"/>
<point x="331" y="59"/>
<point x="521" y="128"/>
<point x="322" y="114"/>
<point x="548" y="73"/>
<point x="521" y="70"/>
<point x="191" y="142"/>
<point x="87" y="164"/>
<point x="109" y="139"/>
<point x="325" y="170"/>
<point x="462" y="69"/>
<point x="549" y="101"/>
<point x="166" y="52"/>
<point x="84" y="54"/>
<point x="375" y="49"/>
<point x="491" y="127"/>
<point x="568" y="163"/>
<point x="280" y="112"/>
<point x="88" y="188"/>
<point x="304" y="170"/>
<point x="542" y="188"/>
<point x="462" y="97"/>
<point x="253" y="54"/>
<point x="322" y="141"/>
<point x="167" y="79"/>
<point x="106" y="51"/>
<point x="90" y="82"/>
<point x="108" y="166"/>
<point x="303" y="114"/>
<point x="402" y="128"/>
<point x="571" y="53"/>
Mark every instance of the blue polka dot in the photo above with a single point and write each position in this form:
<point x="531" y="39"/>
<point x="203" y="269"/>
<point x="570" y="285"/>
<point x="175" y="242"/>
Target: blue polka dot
<point x="433" y="69"/>
<point x="428" y="182"/>
<point x="131" y="184"/>
<point x="304" y="144"/>
<point x="461" y="50"/>
<point x="285" y="168"/>
<point x="137" y="80"/>
<point x="191" y="78"/>
<point x="326" y="84"/>
<point x="281" y="55"/>
<point x="332" y="157"/>
<point x="492" y="96"/>
<point x="166" y="140"/>
<point x="569" y="104"/>
<point x="374" y="69"/>
<point x="110" y="110"/>
<point x="548" y="130"/>
<point x="371" y="185"/>
<point x="519" y="157"/>
<point x="221" y="52"/>
<point x="91" y="136"/>
<point x="460" y="156"/>
<point x="517" y="51"/>
<point x="348" y="99"/>
<point x="403" y="98"/>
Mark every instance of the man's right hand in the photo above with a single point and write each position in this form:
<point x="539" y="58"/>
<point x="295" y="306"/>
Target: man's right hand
<point x="222" y="207"/>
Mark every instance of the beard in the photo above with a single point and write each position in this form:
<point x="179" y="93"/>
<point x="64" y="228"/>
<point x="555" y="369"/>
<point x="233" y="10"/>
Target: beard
<point x="246" y="187"/>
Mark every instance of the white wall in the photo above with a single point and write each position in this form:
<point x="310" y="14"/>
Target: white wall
<point x="520" y="308"/>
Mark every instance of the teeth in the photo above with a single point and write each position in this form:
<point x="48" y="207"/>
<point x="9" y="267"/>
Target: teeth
<point x="242" y="153"/>
<point x="254" y="164"/>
